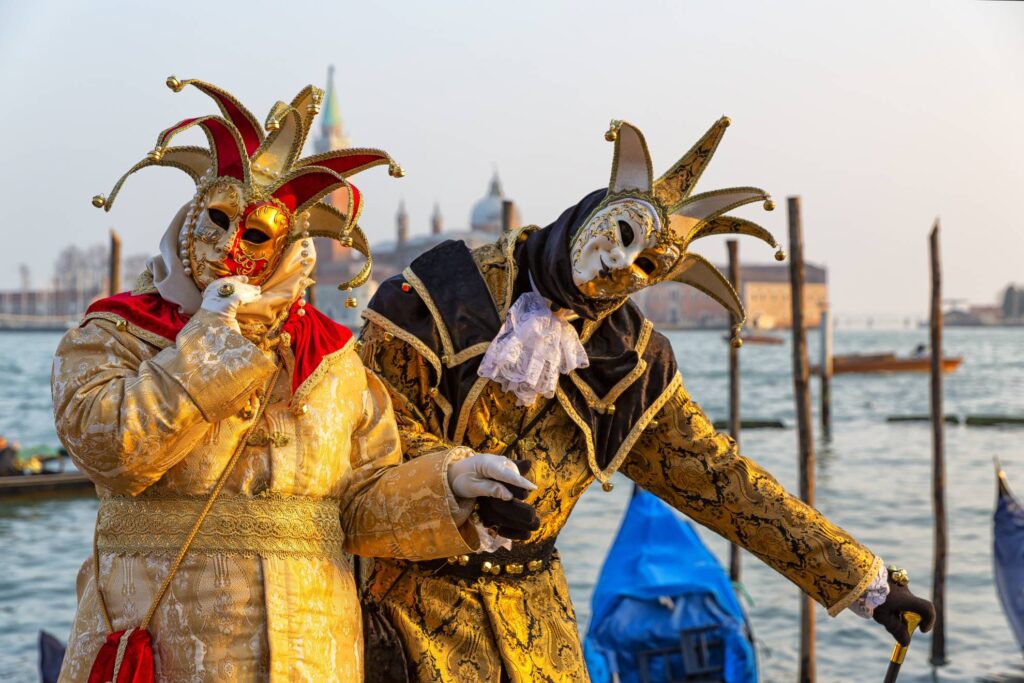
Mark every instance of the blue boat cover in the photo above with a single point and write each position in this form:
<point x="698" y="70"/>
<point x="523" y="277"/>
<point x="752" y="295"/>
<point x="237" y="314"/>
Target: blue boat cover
<point x="658" y="580"/>
<point x="1008" y="558"/>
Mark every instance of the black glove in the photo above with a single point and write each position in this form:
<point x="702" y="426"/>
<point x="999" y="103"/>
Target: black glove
<point x="511" y="518"/>
<point x="900" y="600"/>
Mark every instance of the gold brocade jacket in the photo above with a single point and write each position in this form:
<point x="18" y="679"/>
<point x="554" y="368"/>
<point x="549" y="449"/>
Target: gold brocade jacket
<point x="266" y="591"/>
<point x="523" y="627"/>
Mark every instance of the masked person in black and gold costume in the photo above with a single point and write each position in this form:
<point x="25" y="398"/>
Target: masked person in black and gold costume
<point x="533" y="341"/>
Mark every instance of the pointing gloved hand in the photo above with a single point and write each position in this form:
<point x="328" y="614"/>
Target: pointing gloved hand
<point x="900" y="600"/>
<point x="499" y="485"/>
<point x="225" y="295"/>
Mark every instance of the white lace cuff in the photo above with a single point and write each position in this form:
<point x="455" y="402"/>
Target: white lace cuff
<point x="873" y="596"/>
<point x="533" y="347"/>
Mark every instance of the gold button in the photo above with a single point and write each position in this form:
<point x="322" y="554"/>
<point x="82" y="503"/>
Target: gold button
<point x="486" y="567"/>
<point x="610" y="410"/>
<point x="496" y="569"/>
<point x="652" y="423"/>
<point x="452" y="560"/>
<point x="534" y="565"/>
<point x="463" y="560"/>
<point x="514" y="569"/>
<point x="388" y="336"/>
<point x="607" y="486"/>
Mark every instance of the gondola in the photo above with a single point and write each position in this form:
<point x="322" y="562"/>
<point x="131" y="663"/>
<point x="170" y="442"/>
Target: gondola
<point x="1008" y="555"/>
<point x="663" y="608"/>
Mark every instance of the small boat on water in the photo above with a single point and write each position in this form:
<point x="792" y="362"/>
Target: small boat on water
<point x="663" y="608"/>
<point x="886" y="362"/>
<point x="42" y="470"/>
<point x="1008" y="555"/>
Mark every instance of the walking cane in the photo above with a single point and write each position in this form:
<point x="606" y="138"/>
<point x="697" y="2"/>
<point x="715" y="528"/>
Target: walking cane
<point x="900" y="651"/>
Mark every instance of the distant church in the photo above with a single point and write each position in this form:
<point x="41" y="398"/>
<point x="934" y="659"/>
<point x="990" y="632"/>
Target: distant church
<point x="492" y="214"/>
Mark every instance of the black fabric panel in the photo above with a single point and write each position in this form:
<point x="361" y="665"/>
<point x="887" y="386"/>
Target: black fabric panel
<point x="406" y="310"/>
<point x="449" y="273"/>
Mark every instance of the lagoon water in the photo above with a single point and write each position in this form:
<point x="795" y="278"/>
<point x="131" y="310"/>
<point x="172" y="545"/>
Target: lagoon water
<point x="873" y="478"/>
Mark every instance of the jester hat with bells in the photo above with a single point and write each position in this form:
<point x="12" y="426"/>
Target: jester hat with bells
<point x="669" y="217"/>
<point x="255" y="188"/>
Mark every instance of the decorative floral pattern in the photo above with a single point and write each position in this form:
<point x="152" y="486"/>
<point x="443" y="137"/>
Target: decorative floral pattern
<point x="267" y="592"/>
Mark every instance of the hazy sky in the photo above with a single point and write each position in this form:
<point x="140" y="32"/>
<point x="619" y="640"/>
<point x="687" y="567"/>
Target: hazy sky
<point x="881" y="116"/>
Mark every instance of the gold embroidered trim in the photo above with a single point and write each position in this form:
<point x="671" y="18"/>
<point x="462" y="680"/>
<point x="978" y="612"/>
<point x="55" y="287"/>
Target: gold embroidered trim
<point x="467" y="407"/>
<point x="446" y="409"/>
<point x="512" y="271"/>
<point x="327" y="363"/>
<point x="236" y="525"/>
<point x="858" y="590"/>
<point x="588" y="436"/>
<point x="144" y="284"/>
<point x="134" y="330"/>
<point x="412" y="340"/>
<point x="640" y="426"/>
<point x="613" y="394"/>
<point x="469" y="352"/>
<point x="442" y="330"/>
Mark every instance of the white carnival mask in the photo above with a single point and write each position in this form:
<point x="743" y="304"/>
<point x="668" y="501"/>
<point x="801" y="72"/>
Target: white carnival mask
<point x="640" y="234"/>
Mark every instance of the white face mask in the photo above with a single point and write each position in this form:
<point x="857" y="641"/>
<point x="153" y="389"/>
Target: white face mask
<point x="617" y="252"/>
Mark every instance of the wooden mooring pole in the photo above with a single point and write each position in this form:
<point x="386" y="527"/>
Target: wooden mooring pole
<point x="734" y="390"/>
<point x="114" y="279"/>
<point x="938" y="657"/>
<point x="826" y="372"/>
<point x="802" y="396"/>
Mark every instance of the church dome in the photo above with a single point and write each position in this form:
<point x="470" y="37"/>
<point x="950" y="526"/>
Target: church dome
<point x="486" y="213"/>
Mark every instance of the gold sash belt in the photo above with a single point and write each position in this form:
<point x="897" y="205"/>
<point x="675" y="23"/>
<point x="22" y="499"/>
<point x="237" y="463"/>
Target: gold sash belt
<point x="236" y="525"/>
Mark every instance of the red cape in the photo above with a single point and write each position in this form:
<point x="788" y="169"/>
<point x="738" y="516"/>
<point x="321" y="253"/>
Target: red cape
<point x="314" y="336"/>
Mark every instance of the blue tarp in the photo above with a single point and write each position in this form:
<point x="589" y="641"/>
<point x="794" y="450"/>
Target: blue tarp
<point x="659" y="579"/>
<point x="1008" y="559"/>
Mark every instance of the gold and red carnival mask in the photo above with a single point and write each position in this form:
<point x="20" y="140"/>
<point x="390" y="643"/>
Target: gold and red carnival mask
<point x="639" y="234"/>
<point x="254" y="195"/>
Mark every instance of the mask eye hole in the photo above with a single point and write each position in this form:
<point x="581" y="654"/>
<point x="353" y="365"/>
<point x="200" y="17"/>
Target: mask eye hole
<point x="219" y="218"/>
<point x="646" y="265"/>
<point x="626" y="231"/>
<point x="254" y="236"/>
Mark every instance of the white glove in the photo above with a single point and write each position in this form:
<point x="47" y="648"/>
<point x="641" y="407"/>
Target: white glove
<point x="225" y="295"/>
<point x="483" y="475"/>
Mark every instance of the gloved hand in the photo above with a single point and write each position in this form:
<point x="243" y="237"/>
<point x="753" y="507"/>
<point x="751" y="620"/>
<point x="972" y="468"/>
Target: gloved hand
<point x="225" y="295"/>
<point x="900" y="600"/>
<point x="511" y="518"/>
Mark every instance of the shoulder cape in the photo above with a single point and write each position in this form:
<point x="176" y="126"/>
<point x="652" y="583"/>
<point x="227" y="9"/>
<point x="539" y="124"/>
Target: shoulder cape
<point x="442" y="306"/>
<point x="315" y="338"/>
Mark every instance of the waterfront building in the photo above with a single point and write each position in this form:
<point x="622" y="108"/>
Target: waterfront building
<point x="764" y="291"/>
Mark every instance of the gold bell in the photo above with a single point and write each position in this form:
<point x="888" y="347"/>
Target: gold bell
<point x="769" y="204"/>
<point x="612" y="134"/>
<point x="99" y="201"/>
<point x="395" y="171"/>
<point x="780" y="255"/>
<point x="726" y="121"/>
<point x="736" y="342"/>
<point x="607" y="487"/>
<point x="156" y="155"/>
<point x="350" y="300"/>
<point x="272" y="125"/>
<point x="346" y="240"/>
<point x="534" y="565"/>
<point x="174" y="84"/>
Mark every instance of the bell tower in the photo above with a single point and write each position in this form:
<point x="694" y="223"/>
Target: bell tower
<point x="330" y="136"/>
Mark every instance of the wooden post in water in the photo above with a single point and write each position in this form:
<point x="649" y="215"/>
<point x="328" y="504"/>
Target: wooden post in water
<point x="734" y="390"/>
<point x="802" y="395"/>
<point x="114" y="279"/>
<point x="938" y="456"/>
<point x="826" y="372"/>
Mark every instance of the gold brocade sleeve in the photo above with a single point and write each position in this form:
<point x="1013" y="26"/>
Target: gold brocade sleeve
<point x="409" y="379"/>
<point x="394" y="508"/>
<point x="685" y="462"/>
<point x="127" y="412"/>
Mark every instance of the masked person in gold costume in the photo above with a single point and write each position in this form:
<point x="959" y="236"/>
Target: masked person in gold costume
<point x="238" y="446"/>
<point x="534" y="341"/>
